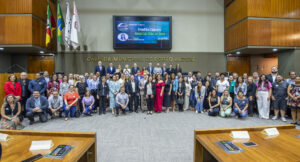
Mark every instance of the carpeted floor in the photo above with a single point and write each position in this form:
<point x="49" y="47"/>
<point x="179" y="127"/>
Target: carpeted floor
<point x="146" y="138"/>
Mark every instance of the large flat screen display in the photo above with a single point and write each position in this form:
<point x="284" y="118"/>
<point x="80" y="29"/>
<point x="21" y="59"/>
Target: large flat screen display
<point x="142" y="32"/>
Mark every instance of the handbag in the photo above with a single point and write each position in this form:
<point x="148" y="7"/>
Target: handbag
<point x="77" y="113"/>
<point x="180" y="100"/>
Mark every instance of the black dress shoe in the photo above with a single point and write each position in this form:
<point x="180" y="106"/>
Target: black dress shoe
<point x="136" y="111"/>
<point x="31" y="122"/>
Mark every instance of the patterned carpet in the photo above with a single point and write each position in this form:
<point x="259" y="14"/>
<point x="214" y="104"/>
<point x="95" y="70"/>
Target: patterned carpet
<point x="146" y="138"/>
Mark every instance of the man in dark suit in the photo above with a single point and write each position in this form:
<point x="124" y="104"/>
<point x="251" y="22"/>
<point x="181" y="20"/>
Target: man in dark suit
<point x="111" y="69"/>
<point x="272" y="77"/>
<point x="150" y="68"/>
<point x="100" y="68"/>
<point x="134" y="69"/>
<point x="102" y="95"/>
<point x="170" y="70"/>
<point x="133" y="91"/>
<point x="164" y="69"/>
<point x="24" y="81"/>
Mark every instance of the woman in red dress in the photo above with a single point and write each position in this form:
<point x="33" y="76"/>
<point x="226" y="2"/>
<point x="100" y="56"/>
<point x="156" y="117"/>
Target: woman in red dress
<point x="160" y="86"/>
<point x="13" y="87"/>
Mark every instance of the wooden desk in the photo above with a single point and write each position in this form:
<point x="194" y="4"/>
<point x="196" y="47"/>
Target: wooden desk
<point x="17" y="149"/>
<point x="284" y="147"/>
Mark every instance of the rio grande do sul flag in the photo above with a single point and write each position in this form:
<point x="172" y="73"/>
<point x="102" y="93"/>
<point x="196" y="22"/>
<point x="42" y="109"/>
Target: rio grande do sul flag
<point x="75" y="27"/>
<point x="60" y="24"/>
<point x="51" y="25"/>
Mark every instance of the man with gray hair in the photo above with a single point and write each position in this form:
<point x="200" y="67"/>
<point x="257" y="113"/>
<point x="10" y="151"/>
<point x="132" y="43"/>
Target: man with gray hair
<point x="150" y="68"/>
<point x="157" y="69"/>
<point x="25" y="93"/>
<point x="134" y="69"/>
<point x="126" y="70"/>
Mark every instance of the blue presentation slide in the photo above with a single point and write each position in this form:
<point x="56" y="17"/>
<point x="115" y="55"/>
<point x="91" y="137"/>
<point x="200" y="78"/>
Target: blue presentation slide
<point x="144" y="32"/>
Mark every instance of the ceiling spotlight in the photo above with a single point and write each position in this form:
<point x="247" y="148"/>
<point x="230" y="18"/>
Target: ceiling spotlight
<point x="229" y="54"/>
<point x="1" y="49"/>
<point x="238" y="52"/>
<point x="275" y="49"/>
<point x="41" y="52"/>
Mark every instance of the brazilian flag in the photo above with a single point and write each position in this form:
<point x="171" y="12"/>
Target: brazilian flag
<point x="60" y="23"/>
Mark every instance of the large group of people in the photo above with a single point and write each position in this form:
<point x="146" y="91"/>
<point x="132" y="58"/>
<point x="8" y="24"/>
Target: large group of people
<point x="148" y="89"/>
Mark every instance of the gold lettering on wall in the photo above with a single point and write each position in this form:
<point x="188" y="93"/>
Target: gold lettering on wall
<point x="137" y="59"/>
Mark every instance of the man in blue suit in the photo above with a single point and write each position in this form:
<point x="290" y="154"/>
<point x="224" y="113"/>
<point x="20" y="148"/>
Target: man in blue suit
<point x="138" y="76"/>
<point x="150" y="68"/>
<point x="164" y="69"/>
<point x="134" y="69"/>
<point x="100" y="68"/>
<point x="111" y="69"/>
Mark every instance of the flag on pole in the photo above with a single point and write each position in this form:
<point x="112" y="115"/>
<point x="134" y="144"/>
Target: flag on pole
<point x="60" y="23"/>
<point x="51" y="25"/>
<point x="68" y="25"/>
<point x="75" y="27"/>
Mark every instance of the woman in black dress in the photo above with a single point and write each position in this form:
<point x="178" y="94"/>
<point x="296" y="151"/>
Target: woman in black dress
<point x="180" y="94"/>
<point x="167" y="93"/>
<point x="81" y="87"/>
<point x="208" y="90"/>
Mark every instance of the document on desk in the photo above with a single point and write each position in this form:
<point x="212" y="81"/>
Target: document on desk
<point x="41" y="145"/>
<point x="240" y="134"/>
<point x="270" y="131"/>
<point x="5" y="137"/>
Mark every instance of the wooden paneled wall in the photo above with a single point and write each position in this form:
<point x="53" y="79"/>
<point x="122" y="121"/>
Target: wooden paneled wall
<point x="238" y="64"/>
<point x="274" y="8"/>
<point x="38" y="63"/>
<point x="237" y="36"/>
<point x="19" y="29"/>
<point x="253" y="32"/>
<point x="241" y="32"/>
<point x="235" y="12"/>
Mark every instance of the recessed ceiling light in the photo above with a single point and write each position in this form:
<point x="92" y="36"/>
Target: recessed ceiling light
<point x="41" y="52"/>
<point x="1" y="49"/>
<point x="238" y="52"/>
<point x="275" y="49"/>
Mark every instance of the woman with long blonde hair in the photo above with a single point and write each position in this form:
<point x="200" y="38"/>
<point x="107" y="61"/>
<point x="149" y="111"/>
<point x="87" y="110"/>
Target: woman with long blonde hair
<point x="226" y="103"/>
